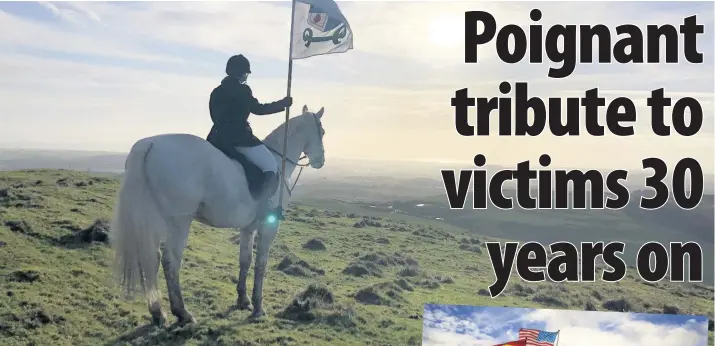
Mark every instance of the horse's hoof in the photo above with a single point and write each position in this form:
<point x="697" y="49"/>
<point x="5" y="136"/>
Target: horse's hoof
<point x="186" y="318"/>
<point x="257" y="314"/>
<point x="243" y="304"/>
<point x="158" y="320"/>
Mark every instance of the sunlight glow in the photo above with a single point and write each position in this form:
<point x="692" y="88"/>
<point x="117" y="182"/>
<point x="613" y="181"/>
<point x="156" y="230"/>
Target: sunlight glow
<point x="445" y="32"/>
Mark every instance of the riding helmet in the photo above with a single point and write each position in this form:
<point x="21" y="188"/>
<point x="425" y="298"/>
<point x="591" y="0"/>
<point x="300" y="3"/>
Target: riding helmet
<point x="238" y="65"/>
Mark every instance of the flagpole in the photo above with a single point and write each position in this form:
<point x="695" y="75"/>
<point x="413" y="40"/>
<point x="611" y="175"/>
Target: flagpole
<point x="558" y="337"/>
<point x="290" y="78"/>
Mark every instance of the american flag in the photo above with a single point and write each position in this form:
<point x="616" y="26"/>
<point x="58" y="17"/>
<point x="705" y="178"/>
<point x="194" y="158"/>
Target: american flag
<point x="535" y="337"/>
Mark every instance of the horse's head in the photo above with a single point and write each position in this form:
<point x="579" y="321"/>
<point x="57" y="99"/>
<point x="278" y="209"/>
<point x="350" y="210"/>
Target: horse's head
<point x="314" y="132"/>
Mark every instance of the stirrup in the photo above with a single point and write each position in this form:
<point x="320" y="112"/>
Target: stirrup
<point x="278" y="212"/>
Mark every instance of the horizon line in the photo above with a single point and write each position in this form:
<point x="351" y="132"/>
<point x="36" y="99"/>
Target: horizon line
<point x="358" y="158"/>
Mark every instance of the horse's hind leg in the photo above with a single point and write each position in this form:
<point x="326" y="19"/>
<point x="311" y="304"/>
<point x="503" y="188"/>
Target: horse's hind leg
<point x="172" y="253"/>
<point x="245" y="256"/>
<point x="158" y="317"/>
<point x="266" y="235"/>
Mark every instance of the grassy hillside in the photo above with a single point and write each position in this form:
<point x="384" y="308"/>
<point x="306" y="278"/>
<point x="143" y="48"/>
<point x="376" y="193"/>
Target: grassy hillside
<point x="373" y="273"/>
<point x="631" y="225"/>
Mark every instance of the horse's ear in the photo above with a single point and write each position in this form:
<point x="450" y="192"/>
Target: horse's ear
<point x="320" y="112"/>
<point x="305" y="108"/>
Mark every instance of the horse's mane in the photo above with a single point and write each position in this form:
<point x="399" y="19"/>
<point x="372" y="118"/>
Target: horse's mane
<point x="293" y="124"/>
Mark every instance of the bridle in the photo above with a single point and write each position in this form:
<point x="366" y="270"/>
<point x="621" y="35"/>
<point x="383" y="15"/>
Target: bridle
<point x="298" y="164"/>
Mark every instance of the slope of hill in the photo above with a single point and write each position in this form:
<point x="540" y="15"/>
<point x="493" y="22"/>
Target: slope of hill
<point x="373" y="275"/>
<point x="631" y="225"/>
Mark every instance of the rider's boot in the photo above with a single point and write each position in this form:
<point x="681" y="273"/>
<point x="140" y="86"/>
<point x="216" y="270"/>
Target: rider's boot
<point x="270" y="180"/>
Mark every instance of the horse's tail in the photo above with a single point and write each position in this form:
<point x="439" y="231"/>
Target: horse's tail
<point x="138" y="228"/>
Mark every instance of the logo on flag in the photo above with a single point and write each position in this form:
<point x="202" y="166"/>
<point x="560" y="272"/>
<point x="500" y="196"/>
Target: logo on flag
<point x="321" y="21"/>
<point x="318" y="19"/>
<point x="319" y="28"/>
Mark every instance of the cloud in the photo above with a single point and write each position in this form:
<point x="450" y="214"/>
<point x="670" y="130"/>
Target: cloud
<point x="443" y="327"/>
<point x="71" y="12"/>
<point x="72" y="103"/>
<point x="35" y="37"/>
<point x="463" y="325"/>
<point x="438" y="337"/>
<point x="404" y="31"/>
<point x="148" y="67"/>
<point x="620" y="329"/>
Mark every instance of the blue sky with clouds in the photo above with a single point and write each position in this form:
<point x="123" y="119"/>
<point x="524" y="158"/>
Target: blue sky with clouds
<point x="101" y="75"/>
<point x="462" y="325"/>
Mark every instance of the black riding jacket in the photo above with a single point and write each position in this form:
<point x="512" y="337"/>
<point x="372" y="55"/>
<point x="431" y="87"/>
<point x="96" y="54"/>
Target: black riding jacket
<point x="230" y="105"/>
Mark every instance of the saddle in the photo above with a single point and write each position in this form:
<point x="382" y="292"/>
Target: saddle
<point x="254" y="175"/>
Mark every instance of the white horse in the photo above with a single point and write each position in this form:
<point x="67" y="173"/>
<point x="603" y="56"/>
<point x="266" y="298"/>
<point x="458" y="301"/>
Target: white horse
<point x="171" y="180"/>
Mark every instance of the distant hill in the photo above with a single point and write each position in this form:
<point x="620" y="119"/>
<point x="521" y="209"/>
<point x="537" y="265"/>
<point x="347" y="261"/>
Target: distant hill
<point x="61" y="159"/>
<point x="370" y="173"/>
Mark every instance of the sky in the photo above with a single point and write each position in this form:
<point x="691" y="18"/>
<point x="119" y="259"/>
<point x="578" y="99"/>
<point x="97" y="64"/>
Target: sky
<point x="461" y="325"/>
<point x="99" y="76"/>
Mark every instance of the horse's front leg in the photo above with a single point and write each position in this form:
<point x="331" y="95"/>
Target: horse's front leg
<point x="266" y="235"/>
<point x="245" y="256"/>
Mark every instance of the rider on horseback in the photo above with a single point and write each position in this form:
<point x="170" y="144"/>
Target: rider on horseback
<point x="230" y="105"/>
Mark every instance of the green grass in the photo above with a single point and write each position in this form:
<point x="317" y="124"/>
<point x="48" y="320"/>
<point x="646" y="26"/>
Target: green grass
<point x="57" y="290"/>
<point x="631" y="225"/>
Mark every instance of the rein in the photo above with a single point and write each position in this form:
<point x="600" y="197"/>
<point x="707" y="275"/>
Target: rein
<point x="297" y="164"/>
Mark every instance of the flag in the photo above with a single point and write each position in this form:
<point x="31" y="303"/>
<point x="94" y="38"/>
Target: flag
<point x="521" y="342"/>
<point x="535" y="337"/>
<point x="319" y="28"/>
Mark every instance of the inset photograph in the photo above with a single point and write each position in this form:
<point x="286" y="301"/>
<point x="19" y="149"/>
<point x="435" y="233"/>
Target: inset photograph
<point x="464" y="325"/>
